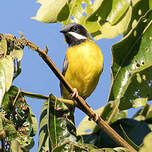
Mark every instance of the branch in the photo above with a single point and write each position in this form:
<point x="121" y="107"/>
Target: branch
<point x="80" y="101"/>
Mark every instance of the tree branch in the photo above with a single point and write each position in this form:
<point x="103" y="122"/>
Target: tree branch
<point x="80" y="101"/>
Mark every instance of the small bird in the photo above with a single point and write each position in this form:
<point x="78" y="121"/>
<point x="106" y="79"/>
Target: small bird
<point x="83" y="63"/>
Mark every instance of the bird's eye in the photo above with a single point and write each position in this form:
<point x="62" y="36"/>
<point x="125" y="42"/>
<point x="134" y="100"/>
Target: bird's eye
<point x="75" y="28"/>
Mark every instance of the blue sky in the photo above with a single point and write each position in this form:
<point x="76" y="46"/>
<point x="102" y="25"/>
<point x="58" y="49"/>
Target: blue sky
<point x="36" y="77"/>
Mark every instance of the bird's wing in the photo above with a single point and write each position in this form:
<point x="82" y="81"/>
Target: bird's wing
<point x="64" y="69"/>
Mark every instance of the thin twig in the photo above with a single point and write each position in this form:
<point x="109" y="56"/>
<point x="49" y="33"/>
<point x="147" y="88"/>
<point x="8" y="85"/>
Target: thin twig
<point x="80" y="101"/>
<point x="34" y="95"/>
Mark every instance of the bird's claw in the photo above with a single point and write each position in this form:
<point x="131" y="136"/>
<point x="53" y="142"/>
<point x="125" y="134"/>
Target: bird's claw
<point x="75" y="93"/>
<point x="95" y="117"/>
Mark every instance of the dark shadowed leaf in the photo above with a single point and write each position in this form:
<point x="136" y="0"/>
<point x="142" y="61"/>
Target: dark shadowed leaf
<point x="131" y="127"/>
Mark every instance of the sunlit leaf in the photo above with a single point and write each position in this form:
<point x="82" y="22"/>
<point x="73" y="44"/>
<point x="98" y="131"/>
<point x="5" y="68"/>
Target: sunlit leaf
<point x="50" y="10"/>
<point x="139" y="9"/>
<point x="134" y="58"/>
<point x="8" y="67"/>
<point x="147" y="143"/>
<point x="119" y="7"/>
<point x="3" y="46"/>
<point x="87" y="127"/>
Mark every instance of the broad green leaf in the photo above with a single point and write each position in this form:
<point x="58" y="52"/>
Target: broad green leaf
<point x="131" y="127"/>
<point x="117" y="149"/>
<point x="119" y="7"/>
<point x="110" y="31"/>
<point x="33" y="121"/>
<point x="61" y="127"/>
<point x="19" y="122"/>
<point x="50" y="10"/>
<point x="10" y="130"/>
<point x="150" y="4"/>
<point x="2" y="83"/>
<point x="10" y="94"/>
<point x="131" y="56"/>
<point x="139" y="9"/>
<point x="3" y="46"/>
<point x="15" y="146"/>
<point x="88" y="127"/>
<point x="99" y="16"/>
<point x="147" y="143"/>
<point x="144" y="114"/>
<point x="17" y="53"/>
<point x="44" y="142"/>
<point x="8" y="67"/>
<point x="57" y="128"/>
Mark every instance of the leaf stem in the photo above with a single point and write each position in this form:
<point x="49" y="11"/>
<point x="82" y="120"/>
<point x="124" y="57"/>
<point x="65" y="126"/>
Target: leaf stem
<point x="34" y="95"/>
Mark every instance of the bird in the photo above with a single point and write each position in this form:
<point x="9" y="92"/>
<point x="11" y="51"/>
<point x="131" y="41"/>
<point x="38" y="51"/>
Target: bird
<point x="83" y="62"/>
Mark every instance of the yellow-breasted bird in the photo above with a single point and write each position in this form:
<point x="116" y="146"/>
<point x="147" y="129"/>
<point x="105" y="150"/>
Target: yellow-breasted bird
<point x="83" y="62"/>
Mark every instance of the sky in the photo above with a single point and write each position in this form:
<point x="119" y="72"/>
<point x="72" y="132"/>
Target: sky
<point x="36" y="77"/>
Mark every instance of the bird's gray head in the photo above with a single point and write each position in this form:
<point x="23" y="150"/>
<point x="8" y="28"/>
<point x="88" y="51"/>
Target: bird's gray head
<point x="74" y="33"/>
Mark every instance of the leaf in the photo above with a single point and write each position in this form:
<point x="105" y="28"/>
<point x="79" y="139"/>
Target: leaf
<point x="131" y="127"/>
<point x="2" y="84"/>
<point x="87" y="127"/>
<point x="10" y="130"/>
<point x="110" y="31"/>
<point x="110" y="19"/>
<point x="119" y="7"/>
<point x="56" y="127"/>
<point x="147" y="143"/>
<point x="60" y="124"/>
<point x="50" y="10"/>
<point x="131" y="56"/>
<point x="3" y="45"/>
<point x="15" y="146"/>
<point x="17" y="53"/>
<point x="44" y="142"/>
<point x="8" y="67"/>
<point x="139" y="9"/>
<point x="33" y="122"/>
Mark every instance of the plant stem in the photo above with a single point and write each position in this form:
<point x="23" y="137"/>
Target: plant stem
<point x="80" y="101"/>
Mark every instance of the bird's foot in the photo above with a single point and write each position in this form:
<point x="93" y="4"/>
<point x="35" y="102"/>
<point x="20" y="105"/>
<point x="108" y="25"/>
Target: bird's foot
<point x="75" y="93"/>
<point x="95" y="117"/>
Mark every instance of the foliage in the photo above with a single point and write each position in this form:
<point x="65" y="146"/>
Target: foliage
<point x="131" y="82"/>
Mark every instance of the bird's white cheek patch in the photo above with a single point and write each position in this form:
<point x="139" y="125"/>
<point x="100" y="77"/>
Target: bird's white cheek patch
<point x="77" y="36"/>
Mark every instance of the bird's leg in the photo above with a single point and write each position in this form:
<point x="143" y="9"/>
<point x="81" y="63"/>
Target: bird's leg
<point x="75" y="93"/>
<point x="95" y="118"/>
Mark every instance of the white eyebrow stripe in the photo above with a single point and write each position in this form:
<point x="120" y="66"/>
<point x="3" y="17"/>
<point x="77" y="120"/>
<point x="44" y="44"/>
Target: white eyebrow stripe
<point x="77" y="36"/>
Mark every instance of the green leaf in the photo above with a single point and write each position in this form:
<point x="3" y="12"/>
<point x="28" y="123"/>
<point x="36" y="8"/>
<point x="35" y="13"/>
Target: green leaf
<point x="150" y="4"/>
<point x="8" y="67"/>
<point x="110" y="31"/>
<point x="131" y="127"/>
<point x="60" y="124"/>
<point x="44" y="142"/>
<point x="147" y="143"/>
<point x="119" y="7"/>
<point x="57" y="128"/>
<point x="33" y="122"/>
<point x="87" y="127"/>
<point x="10" y="130"/>
<point x="3" y="45"/>
<point x="50" y="10"/>
<point x="131" y="56"/>
<point x="139" y="10"/>
<point x="2" y="84"/>
<point x="15" y="146"/>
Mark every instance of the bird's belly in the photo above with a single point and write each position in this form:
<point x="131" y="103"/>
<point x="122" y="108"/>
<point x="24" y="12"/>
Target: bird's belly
<point x="84" y="75"/>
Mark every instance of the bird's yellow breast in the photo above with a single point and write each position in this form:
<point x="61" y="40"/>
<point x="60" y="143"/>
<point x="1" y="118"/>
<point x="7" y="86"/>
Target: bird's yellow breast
<point x="85" y="64"/>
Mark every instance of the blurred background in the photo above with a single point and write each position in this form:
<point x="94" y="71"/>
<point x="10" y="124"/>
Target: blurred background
<point x="36" y="76"/>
